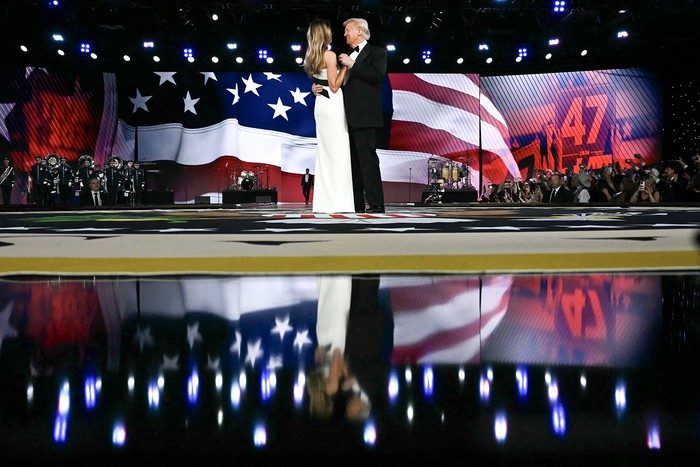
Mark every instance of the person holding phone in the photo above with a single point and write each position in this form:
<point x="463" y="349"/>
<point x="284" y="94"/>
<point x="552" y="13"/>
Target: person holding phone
<point x="646" y="192"/>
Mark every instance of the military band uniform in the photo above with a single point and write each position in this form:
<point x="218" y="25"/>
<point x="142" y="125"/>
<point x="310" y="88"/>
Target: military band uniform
<point x="7" y="181"/>
<point x="114" y="181"/>
<point x="39" y="175"/>
<point x="65" y="179"/>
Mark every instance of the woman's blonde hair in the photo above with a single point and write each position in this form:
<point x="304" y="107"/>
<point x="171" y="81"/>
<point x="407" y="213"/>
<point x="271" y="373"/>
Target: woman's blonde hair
<point x="318" y="37"/>
<point x="320" y="402"/>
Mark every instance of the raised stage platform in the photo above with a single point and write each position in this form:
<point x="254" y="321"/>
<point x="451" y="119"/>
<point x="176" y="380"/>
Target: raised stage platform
<point x="249" y="196"/>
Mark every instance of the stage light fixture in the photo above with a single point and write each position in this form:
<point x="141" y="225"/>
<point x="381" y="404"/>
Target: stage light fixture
<point x="54" y="3"/>
<point x="559" y="6"/>
<point x="408" y="19"/>
<point x="460" y="60"/>
<point x="522" y="52"/>
<point x="269" y="60"/>
<point x="215" y="59"/>
<point x="390" y="48"/>
<point x="483" y="47"/>
<point x="156" y="58"/>
<point x="232" y="46"/>
<point x="148" y="44"/>
<point x="548" y="56"/>
<point x="187" y="53"/>
<point x="426" y="56"/>
<point x="584" y="52"/>
<point x="489" y="60"/>
<point x="554" y="42"/>
<point x="262" y="54"/>
<point x="622" y="34"/>
<point x="61" y="52"/>
<point x="622" y="12"/>
<point x="215" y="17"/>
<point x="519" y="59"/>
<point x="406" y="61"/>
<point x="93" y="56"/>
<point x="299" y="60"/>
<point x="296" y="47"/>
<point x="57" y="37"/>
<point x="23" y="48"/>
<point x="239" y="59"/>
<point x="190" y="59"/>
<point x="85" y="48"/>
<point x="126" y="58"/>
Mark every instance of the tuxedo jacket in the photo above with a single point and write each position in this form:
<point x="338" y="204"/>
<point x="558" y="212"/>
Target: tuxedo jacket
<point x="362" y="91"/>
<point x="86" y="198"/>
<point x="306" y="184"/>
<point x="562" y="196"/>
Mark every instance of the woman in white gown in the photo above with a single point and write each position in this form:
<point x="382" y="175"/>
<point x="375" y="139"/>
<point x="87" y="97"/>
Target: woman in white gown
<point x="332" y="174"/>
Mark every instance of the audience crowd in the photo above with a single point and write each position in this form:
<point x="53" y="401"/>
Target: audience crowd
<point x="675" y="181"/>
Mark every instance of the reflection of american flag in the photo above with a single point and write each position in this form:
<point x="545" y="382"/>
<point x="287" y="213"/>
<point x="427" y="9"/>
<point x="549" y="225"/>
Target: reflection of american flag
<point x="446" y="320"/>
<point x="446" y="115"/>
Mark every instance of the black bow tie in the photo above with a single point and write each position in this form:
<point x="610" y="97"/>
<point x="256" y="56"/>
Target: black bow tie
<point x="356" y="49"/>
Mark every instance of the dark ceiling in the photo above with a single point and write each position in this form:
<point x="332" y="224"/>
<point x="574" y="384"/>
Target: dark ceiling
<point x="663" y="34"/>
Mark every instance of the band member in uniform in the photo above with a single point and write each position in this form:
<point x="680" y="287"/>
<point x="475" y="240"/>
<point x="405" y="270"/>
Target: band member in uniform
<point x="139" y="183"/>
<point x="114" y="182"/>
<point x="128" y="182"/>
<point x="7" y="180"/>
<point x="65" y="179"/>
<point x="37" y="181"/>
<point x="85" y="173"/>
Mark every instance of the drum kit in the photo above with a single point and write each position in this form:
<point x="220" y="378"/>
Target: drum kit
<point x="249" y="179"/>
<point x="449" y="174"/>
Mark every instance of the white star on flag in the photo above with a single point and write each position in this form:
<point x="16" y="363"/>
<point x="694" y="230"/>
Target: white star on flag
<point x="254" y="353"/>
<point x="170" y="363"/>
<point x="272" y="76"/>
<point x="208" y="75"/>
<point x="166" y="76"/>
<point x="234" y="91"/>
<point x="236" y="346"/>
<point x="299" y="96"/>
<point x="139" y="101"/>
<point x="302" y="339"/>
<point x="280" y="109"/>
<point x="6" y="329"/>
<point x="213" y="363"/>
<point x="250" y="85"/>
<point x="281" y="327"/>
<point x="5" y="110"/>
<point x="190" y="103"/>
<point x="193" y="334"/>
<point x="143" y="337"/>
<point x="275" y="362"/>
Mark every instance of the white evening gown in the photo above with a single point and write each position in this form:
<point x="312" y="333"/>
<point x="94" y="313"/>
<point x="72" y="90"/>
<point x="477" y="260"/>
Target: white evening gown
<point x="332" y="174"/>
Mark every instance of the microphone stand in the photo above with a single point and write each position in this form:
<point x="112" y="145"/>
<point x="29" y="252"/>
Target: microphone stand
<point x="267" y="177"/>
<point x="410" y="171"/>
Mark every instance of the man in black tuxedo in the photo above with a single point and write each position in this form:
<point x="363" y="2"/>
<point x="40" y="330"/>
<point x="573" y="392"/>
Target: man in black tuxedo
<point x="95" y="195"/>
<point x="362" y="94"/>
<point x="307" y="181"/>
<point x="558" y="194"/>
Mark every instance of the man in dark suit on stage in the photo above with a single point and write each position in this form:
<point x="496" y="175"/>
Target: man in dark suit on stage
<point x="362" y="94"/>
<point x="95" y="195"/>
<point x="307" y="181"/>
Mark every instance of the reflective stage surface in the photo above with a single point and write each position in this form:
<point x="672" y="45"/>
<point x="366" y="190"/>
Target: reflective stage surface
<point x="383" y="368"/>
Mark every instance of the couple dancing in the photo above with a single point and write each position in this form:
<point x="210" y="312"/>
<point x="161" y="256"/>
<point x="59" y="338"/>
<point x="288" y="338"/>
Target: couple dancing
<point x="348" y="113"/>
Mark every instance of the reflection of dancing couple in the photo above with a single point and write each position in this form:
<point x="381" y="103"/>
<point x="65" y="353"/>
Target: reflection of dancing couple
<point x="354" y="345"/>
<point x="348" y="114"/>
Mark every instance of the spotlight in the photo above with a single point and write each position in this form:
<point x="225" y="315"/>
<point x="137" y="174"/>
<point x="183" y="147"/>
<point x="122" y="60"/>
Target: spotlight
<point x="584" y="52"/>
<point x="522" y="52"/>
<point x="406" y="61"/>
<point x="214" y="17"/>
<point x="148" y="44"/>
<point x="559" y="6"/>
<point x="187" y="53"/>
<point x="391" y="48"/>
<point x="554" y="42"/>
<point x="426" y="56"/>
<point x="232" y="46"/>
<point x="61" y="52"/>
<point x="460" y="60"/>
<point x="262" y="54"/>
<point x="126" y="58"/>
<point x="215" y="59"/>
<point x="408" y="19"/>
<point x="239" y="59"/>
<point x="93" y="56"/>
<point x="483" y="47"/>
<point x="54" y="3"/>
<point x="622" y="34"/>
<point x="519" y="59"/>
<point x="85" y="48"/>
<point x="23" y="48"/>
<point x="299" y="60"/>
<point x="548" y="56"/>
<point x="269" y="59"/>
<point x="156" y="58"/>
<point x="57" y="37"/>
<point x="489" y="60"/>
<point x="296" y="47"/>
<point x="190" y="59"/>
